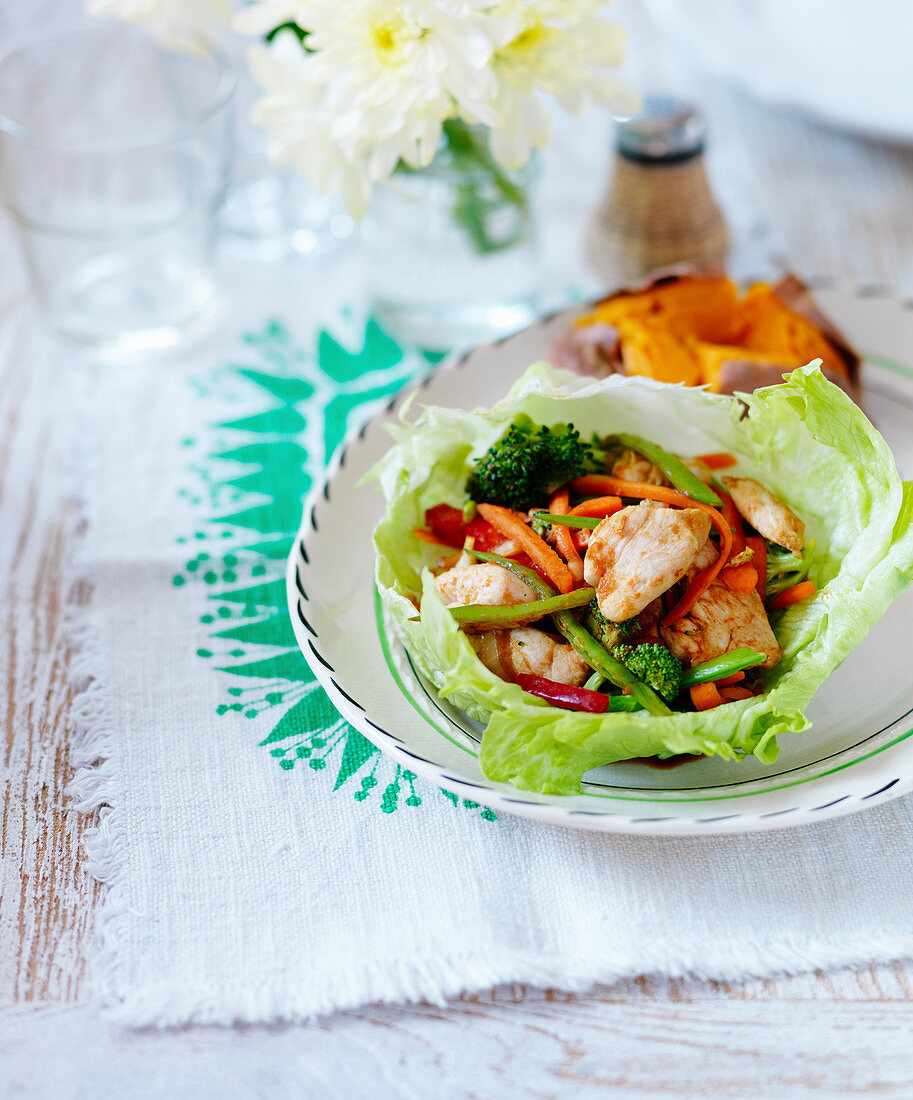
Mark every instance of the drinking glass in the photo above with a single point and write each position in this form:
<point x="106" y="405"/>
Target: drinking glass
<point x="114" y="159"/>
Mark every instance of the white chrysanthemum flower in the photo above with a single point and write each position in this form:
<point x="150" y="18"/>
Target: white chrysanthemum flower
<point x="263" y="16"/>
<point x="376" y="79"/>
<point x="393" y="70"/>
<point x="563" y="48"/>
<point x="300" y="130"/>
<point x="174" y="24"/>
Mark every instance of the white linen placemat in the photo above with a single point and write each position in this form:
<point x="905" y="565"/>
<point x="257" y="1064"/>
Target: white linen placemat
<point x="266" y="863"/>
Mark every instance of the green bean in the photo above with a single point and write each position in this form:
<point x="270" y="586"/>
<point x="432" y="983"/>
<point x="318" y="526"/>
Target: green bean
<point x="720" y="667"/>
<point x="685" y="480"/>
<point x="568" y="521"/>
<point x="595" y="655"/>
<point x="599" y="658"/>
<point x="623" y="702"/>
<point x="496" y="616"/>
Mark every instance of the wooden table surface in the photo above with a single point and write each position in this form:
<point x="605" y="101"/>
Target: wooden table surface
<point x="795" y="194"/>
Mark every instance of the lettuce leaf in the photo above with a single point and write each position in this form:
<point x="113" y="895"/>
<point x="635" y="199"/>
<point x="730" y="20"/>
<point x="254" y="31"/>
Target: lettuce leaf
<point x="804" y="439"/>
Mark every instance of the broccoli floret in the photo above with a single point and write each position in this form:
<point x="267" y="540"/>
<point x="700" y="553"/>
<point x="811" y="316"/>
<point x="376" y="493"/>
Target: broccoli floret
<point x="653" y="664"/>
<point x="604" y="630"/>
<point x="527" y="464"/>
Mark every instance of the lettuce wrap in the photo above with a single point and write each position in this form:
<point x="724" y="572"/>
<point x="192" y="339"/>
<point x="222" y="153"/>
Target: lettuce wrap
<point x="804" y="439"/>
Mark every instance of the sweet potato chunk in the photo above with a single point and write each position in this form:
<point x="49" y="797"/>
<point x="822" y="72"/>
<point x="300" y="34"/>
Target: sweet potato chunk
<point x="772" y="327"/>
<point x="651" y="351"/>
<point x="693" y="305"/>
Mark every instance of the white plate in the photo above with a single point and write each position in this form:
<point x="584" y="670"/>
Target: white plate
<point x="859" y="751"/>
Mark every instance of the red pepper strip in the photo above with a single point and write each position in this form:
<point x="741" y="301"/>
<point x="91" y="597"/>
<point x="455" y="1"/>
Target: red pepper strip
<point x="430" y="537"/>
<point x="758" y="548"/>
<point x="564" y="695"/>
<point x="449" y="525"/>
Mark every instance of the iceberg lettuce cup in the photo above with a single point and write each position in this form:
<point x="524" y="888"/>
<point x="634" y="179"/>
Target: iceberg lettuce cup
<point x="805" y="440"/>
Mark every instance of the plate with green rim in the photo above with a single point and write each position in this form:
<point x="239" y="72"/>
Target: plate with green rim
<point x="858" y="753"/>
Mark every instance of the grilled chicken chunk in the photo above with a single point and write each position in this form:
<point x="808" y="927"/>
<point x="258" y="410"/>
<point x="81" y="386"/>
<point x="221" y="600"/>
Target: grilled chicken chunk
<point x="640" y="552"/>
<point x="508" y="653"/>
<point x="631" y="467"/>
<point x="485" y="583"/>
<point x="767" y="515"/>
<point x="721" y="620"/>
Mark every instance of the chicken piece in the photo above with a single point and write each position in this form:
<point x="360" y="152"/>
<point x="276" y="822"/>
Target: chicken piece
<point x="721" y="620"/>
<point x="510" y="653"/>
<point x="631" y="467"/>
<point x="767" y="515"/>
<point x="638" y="553"/>
<point x="485" y="583"/>
<point x="700" y="469"/>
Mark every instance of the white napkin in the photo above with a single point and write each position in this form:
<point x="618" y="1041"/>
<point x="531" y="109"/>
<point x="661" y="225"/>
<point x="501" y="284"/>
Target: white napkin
<point x="264" y="865"/>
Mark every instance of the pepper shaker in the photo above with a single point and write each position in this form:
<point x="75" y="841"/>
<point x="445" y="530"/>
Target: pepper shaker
<point x="658" y="209"/>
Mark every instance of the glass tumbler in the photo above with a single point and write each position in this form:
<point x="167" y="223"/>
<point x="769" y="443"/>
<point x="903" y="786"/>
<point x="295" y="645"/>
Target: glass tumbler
<point x="114" y="160"/>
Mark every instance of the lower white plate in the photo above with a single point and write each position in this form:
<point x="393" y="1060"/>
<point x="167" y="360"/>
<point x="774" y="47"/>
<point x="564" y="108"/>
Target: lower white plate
<point x="859" y="751"/>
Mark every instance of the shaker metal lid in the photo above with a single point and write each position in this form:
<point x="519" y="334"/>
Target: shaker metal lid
<point x="665" y="129"/>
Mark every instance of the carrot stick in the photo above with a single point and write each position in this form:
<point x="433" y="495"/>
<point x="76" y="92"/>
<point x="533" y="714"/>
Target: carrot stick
<point x="430" y="537"/>
<point x="705" y="696"/>
<point x="719" y="460"/>
<point x="804" y="590"/>
<point x="564" y="539"/>
<point x="732" y="517"/>
<point x="730" y="694"/>
<point x="728" y="681"/>
<point x="596" y="506"/>
<point x="604" y="484"/>
<point x="758" y="547"/>
<point x="741" y="578"/>
<point x="511" y="526"/>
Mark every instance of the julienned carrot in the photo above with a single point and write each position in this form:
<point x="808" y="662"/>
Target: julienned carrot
<point x="597" y="506"/>
<point x="742" y="577"/>
<point x="705" y="696"/>
<point x="430" y="537"/>
<point x="511" y="525"/>
<point x="719" y="460"/>
<point x="730" y="694"/>
<point x="564" y="538"/>
<point x="728" y="681"/>
<point x="758" y="547"/>
<point x="802" y="591"/>
<point x="604" y="484"/>
<point x="732" y="517"/>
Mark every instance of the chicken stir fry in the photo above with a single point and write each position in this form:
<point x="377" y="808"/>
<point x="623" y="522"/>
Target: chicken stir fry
<point x="530" y="652"/>
<point x="639" y="553"/>
<point x="623" y="577"/>
<point x="767" y="515"/>
<point x="721" y="620"/>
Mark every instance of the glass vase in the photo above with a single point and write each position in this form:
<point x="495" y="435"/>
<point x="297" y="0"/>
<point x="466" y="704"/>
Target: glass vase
<point x="452" y="256"/>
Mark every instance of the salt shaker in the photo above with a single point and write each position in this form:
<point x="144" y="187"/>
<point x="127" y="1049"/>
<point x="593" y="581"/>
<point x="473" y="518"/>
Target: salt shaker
<point x="658" y="209"/>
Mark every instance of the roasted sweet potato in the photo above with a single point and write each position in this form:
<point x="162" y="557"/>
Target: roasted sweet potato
<point x="693" y="328"/>
<point x="685" y="305"/>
